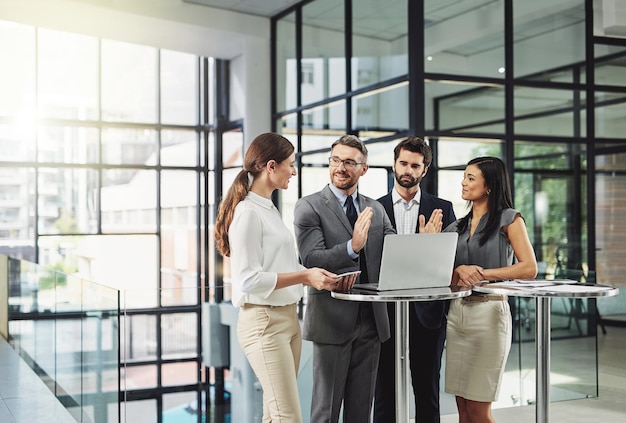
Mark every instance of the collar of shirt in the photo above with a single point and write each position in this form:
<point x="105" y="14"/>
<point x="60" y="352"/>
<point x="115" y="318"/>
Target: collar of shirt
<point x="261" y="201"/>
<point x="341" y="197"/>
<point x="395" y="198"/>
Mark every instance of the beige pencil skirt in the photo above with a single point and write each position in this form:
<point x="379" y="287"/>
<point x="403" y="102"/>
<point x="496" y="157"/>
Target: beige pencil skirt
<point x="478" y="341"/>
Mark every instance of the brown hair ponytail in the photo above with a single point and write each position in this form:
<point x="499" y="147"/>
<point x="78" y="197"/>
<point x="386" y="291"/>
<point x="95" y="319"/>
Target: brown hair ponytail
<point x="265" y="147"/>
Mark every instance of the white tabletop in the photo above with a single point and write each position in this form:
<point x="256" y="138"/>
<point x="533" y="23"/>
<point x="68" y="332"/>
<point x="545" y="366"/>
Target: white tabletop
<point x="546" y="288"/>
<point x="422" y="294"/>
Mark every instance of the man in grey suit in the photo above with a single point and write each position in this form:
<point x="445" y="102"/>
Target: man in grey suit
<point x="346" y="335"/>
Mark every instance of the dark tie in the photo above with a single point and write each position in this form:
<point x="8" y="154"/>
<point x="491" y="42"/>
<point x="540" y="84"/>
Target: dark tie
<point x="352" y="215"/>
<point x="350" y="210"/>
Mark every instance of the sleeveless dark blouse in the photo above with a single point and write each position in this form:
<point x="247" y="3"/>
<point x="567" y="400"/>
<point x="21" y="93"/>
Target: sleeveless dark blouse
<point x="496" y="252"/>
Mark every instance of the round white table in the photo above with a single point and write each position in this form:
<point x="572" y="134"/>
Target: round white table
<point x="402" y="298"/>
<point x="542" y="295"/>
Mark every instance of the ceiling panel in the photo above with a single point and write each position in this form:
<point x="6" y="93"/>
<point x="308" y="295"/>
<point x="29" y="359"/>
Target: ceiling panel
<point x="265" y="8"/>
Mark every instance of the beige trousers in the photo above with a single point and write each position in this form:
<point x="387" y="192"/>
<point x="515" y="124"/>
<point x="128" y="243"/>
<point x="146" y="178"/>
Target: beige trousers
<point x="271" y="339"/>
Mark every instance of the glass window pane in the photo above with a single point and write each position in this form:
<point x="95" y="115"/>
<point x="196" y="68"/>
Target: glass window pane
<point x="228" y="176"/>
<point x="456" y="152"/>
<point x="379" y="41"/>
<point x="67" y="144"/>
<point x="610" y="115"/>
<point x="610" y="64"/>
<point x="203" y="146"/>
<point x="374" y="183"/>
<point x="179" y="333"/>
<point x="129" y="146"/>
<point x="129" y="82"/>
<point x="232" y="149"/>
<point x="548" y="112"/>
<point x="547" y="38"/>
<point x="128" y="199"/>
<point x="381" y="113"/>
<point x="286" y="74"/>
<point x="381" y="153"/>
<point x="314" y="179"/>
<point x="549" y="178"/>
<point x="449" y="182"/>
<point x="210" y="113"/>
<point x="105" y="255"/>
<point x="323" y="52"/>
<point x="464" y="38"/>
<point x="67" y="76"/>
<point x="145" y="409"/>
<point x="183" y="406"/>
<point x="330" y="116"/>
<point x="17" y="212"/>
<point x="288" y="124"/>
<point x="179" y="235"/>
<point x="67" y="200"/>
<point x="613" y="162"/>
<point x="609" y="19"/>
<point x="545" y="156"/>
<point x="17" y="142"/>
<point x="17" y="85"/>
<point x="179" y="148"/>
<point x="568" y="74"/>
<point x="462" y="107"/>
<point x="179" y="88"/>
<point x="62" y="253"/>
<point x="137" y="377"/>
<point x="17" y="73"/>
<point x="610" y="223"/>
<point x="317" y="140"/>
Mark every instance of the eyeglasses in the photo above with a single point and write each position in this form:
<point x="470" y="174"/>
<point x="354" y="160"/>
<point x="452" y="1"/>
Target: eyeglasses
<point x="349" y="164"/>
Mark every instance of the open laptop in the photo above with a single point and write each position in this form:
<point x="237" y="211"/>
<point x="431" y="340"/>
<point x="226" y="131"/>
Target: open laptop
<point x="415" y="261"/>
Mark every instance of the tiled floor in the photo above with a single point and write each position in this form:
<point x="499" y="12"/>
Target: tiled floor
<point x="24" y="398"/>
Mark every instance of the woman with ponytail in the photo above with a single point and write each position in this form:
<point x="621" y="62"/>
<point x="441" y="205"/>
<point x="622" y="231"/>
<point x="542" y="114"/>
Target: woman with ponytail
<point x="267" y="279"/>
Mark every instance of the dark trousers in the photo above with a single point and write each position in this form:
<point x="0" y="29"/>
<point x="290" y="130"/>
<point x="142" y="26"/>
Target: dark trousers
<point x="345" y="374"/>
<point x="425" y="350"/>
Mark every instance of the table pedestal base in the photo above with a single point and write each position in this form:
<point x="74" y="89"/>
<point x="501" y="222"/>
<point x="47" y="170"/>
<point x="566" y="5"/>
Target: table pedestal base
<point x="402" y="361"/>
<point x="542" y="355"/>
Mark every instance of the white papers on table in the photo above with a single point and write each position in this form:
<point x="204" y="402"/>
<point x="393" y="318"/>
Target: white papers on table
<point x="545" y="282"/>
<point x="573" y="288"/>
<point x="519" y="285"/>
<point x="548" y="285"/>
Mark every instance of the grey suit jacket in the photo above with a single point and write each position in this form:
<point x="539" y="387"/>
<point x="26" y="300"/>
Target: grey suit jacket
<point x="322" y="231"/>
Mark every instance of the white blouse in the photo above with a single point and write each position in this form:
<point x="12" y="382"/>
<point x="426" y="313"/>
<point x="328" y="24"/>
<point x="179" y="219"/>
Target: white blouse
<point x="261" y="246"/>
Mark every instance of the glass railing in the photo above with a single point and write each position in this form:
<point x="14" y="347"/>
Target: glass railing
<point x="573" y="334"/>
<point x="574" y="358"/>
<point x="71" y="331"/>
<point x="165" y="375"/>
<point x="67" y="329"/>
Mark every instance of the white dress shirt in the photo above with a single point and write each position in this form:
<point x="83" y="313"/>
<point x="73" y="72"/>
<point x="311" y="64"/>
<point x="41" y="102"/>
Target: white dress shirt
<point x="406" y="214"/>
<point x="261" y="246"/>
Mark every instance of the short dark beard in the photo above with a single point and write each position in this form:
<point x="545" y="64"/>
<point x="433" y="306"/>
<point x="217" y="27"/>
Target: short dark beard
<point x="411" y="184"/>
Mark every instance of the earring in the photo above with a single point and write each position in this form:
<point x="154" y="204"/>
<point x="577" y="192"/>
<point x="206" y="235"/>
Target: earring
<point x="488" y="191"/>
